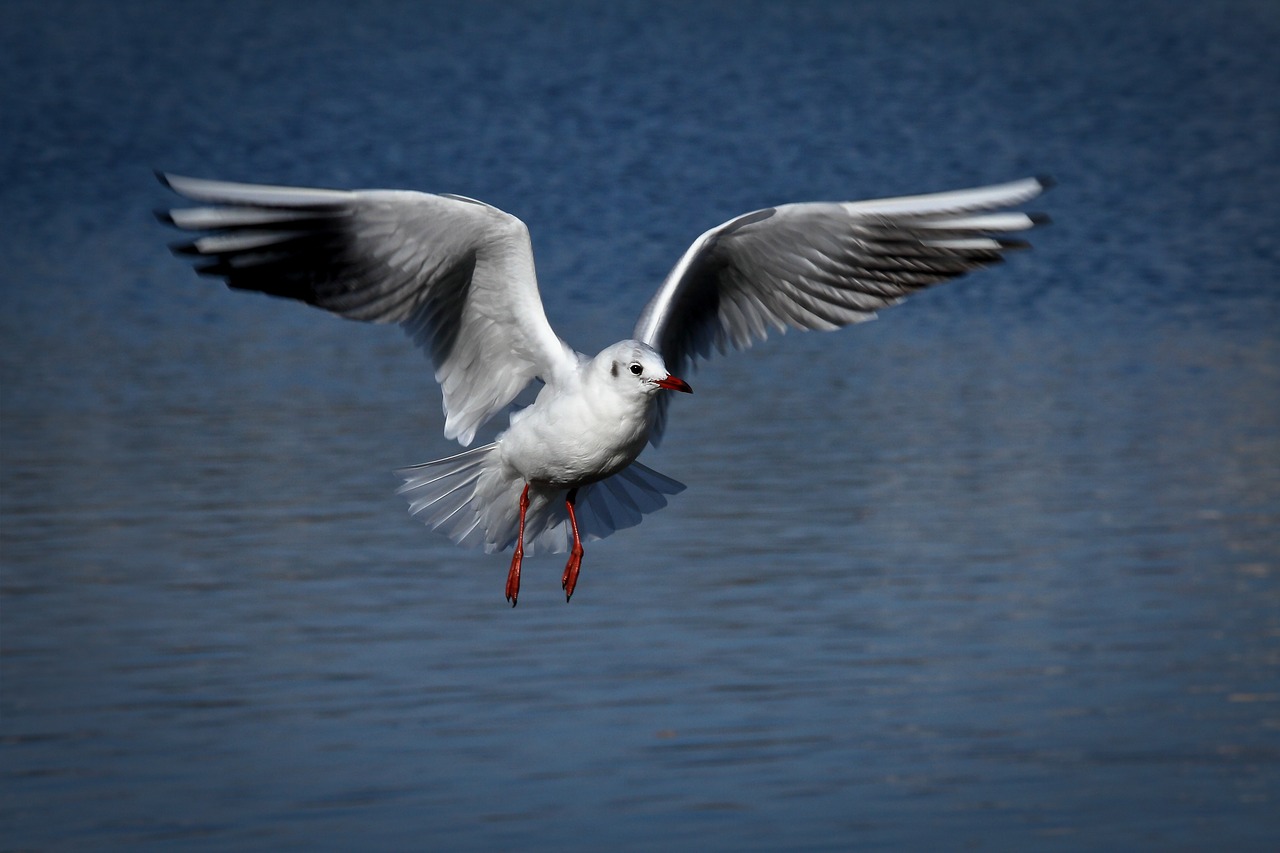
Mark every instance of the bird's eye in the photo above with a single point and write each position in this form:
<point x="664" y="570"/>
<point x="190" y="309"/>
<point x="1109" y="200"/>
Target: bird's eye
<point x="635" y="369"/>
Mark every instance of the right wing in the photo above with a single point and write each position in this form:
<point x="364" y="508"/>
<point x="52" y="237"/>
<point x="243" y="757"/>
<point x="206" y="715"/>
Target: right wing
<point x="457" y="274"/>
<point x="823" y="266"/>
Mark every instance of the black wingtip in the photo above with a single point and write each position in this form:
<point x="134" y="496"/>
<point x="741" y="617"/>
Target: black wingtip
<point x="1046" y="182"/>
<point x="1040" y="219"/>
<point x="164" y="217"/>
<point x="1014" y="246"/>
<point x="163" y="178"/>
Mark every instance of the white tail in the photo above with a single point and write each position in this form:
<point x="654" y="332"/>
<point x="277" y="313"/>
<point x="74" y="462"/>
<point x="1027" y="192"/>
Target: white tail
<point x="474" y="499"/>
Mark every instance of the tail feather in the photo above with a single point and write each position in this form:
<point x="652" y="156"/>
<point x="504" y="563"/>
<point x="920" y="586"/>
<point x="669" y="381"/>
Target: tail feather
<point x="442" y="493"/>
<point x="615" y="503"/>
<point x="474" y="499"/>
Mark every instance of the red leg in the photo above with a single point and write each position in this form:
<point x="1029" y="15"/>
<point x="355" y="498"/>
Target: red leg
<point x="570" y="578"/>
<point x="513" y="575"/>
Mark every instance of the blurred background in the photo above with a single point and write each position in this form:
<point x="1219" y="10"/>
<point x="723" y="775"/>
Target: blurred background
<point x="1000" y="570"/>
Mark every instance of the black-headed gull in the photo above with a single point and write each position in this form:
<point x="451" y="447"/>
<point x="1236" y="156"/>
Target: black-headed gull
<point x="458" y="275"/>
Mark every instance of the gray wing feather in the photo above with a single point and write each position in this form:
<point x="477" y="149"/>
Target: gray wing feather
<point x="823" y="266"/>
<point x="455" y="273"/>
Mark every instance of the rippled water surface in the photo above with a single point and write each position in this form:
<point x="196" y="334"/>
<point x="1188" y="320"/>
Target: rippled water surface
<point x="999" y="570"/>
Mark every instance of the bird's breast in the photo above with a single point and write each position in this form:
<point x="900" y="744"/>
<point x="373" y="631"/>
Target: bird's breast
<point x="570" y="442"/>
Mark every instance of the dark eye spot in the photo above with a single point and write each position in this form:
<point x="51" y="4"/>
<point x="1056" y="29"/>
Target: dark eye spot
<point x="635" y="369"/>
<point x="613" y="370"/>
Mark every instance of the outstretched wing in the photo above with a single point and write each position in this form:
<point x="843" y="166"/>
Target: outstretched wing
<point x="823" y="266"/>
<point x="457" y="274"/>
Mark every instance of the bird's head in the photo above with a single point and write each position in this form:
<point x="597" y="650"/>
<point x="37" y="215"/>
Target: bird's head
<point x="636" y="366"/>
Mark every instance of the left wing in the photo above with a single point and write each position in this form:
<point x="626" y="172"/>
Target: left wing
<point x="456" y="273"/>
<point x="823" y="265"/>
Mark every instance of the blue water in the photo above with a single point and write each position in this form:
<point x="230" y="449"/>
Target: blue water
<point x="1000" y="570"/>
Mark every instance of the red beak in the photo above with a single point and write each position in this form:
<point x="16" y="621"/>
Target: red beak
<point x="672" y="383"/>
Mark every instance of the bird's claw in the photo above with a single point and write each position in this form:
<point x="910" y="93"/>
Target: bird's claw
<point x="569" y="580"/>
<point x="513" y="576"/>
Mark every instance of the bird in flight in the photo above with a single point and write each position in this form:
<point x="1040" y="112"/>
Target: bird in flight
<point x="458" y="275"/>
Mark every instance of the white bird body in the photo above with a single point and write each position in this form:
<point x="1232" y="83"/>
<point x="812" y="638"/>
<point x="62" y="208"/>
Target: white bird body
<point x="588" y="427"/>
<point x="458" y="275"/>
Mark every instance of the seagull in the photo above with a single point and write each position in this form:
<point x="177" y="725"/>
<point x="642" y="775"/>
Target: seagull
<point x="458" y="275"/>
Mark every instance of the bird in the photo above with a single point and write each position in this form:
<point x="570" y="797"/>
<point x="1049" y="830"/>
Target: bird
<point x="458" y="275"/>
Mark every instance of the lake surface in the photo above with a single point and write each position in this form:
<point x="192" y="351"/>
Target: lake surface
<point x="1000" y="570"/>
